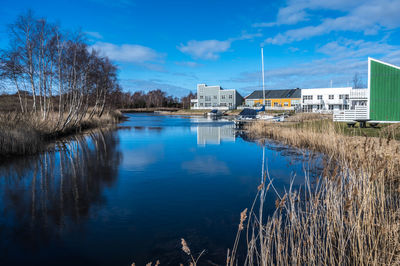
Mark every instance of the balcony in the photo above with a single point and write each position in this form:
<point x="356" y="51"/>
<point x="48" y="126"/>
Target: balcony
<point x="358" y="94"/>
<point x="313" y="101"/>
<point x="358" y="113"/>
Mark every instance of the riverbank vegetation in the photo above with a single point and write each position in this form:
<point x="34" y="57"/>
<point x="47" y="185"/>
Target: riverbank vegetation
<point x="322" y="122"/>
<point x="349" y="216"/>
<point x="151" y="100"/>
<point x="61" y="84"/>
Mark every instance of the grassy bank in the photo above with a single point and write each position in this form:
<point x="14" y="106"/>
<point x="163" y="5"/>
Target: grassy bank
<point x="24" y="134"/>
<point x="349" y="216"/>
<point x="320" y="123"/>
<point x="149" y="110"/>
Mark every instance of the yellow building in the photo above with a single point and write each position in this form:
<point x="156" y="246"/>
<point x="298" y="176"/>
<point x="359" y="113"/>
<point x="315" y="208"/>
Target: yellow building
<point x="275" y="99"/>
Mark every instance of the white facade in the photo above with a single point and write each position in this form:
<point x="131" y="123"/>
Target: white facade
<point x="358" y="110"/>
<point x="214" y="97"/>
<point x="325" y="100"/>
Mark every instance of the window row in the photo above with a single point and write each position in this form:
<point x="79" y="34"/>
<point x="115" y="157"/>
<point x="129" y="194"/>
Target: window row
<point x="215" y="97"/>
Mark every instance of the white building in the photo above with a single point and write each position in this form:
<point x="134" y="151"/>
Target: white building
<point x="325" y="100"/>
<point x="215" y="97"/>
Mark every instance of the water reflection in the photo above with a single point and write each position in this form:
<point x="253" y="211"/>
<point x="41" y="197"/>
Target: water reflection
<point x="42" y="195"/>
<point x="86" y="204"/>
<point x="215" y="134"/>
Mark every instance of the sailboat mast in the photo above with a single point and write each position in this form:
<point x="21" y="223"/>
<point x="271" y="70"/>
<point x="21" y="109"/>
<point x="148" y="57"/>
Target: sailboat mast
<point x="262" y="64"/>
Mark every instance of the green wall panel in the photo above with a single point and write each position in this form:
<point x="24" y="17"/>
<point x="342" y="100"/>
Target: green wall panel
<point x="385" y="92"/>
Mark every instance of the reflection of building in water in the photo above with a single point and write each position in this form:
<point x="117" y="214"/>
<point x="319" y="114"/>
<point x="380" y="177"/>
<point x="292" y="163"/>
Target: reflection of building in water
<point x="214" y="135"/>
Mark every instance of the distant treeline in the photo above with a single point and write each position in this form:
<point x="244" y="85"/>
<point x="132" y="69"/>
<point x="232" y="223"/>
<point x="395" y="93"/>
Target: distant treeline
<point x="66" y="80"/>
<point x="151" y="99"/>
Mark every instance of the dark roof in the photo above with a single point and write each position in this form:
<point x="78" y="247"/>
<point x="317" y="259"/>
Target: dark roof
<point x="275" y="94"/>
<point x="248" y="112"/>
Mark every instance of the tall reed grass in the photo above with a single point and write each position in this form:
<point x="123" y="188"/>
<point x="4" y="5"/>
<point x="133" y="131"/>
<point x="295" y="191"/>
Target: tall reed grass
<point x="24" y="134"/>
<point x="349" y="216"/>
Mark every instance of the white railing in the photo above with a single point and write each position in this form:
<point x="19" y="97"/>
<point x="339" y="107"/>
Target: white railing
<point x="313" y="101"/>
<point x="279" y="108"/>
<point x="358" y="113"/>
<point x="336" y="101"/>
<point x="359" y="94"/>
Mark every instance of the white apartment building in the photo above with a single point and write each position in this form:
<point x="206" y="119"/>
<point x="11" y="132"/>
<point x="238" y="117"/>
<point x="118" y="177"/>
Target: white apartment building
<point x="215" y="97"/>
<point x="325" y="100"/>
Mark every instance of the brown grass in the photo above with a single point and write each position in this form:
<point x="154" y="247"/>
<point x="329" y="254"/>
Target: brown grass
<point x="350" y="216"/>
<point x="302" y="117"/>
<point x="24" y="134"/>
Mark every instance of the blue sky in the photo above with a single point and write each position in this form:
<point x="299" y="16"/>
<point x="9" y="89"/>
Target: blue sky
<point x="173" y="45"/>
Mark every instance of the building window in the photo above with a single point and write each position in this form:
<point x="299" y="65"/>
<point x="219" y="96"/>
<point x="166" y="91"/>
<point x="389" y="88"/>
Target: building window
<point x="319" y="97"/>
<point x="208" y="105"/>
<point x="201" y="96"/>
<point x="276" y="104"/>
<point x="330" y="107"/>
<point x="208" y="98"/>
<point x="215" y="97"/>
<point x="286" y="104"/>
<point x="268" y="103"/>
<point x="331" y="97"/>
<point x="344" y="96"/>
<point x="222" y="96"/>
<point x="346" y="107"/>
<point x="223" y="104"/>
<point x="230" y="96"/>
<point x="307" y="97"/>
<point x="201" y="104"/>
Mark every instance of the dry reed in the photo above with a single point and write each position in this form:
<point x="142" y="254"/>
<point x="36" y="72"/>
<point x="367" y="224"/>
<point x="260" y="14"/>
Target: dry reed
<point x="24" y="134"/>
<point x="186" y="249"/>
<point x="350" y="216"/>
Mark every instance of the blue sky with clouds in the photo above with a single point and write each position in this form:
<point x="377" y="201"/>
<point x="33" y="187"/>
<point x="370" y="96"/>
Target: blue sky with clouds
<point x="173" y="45"/>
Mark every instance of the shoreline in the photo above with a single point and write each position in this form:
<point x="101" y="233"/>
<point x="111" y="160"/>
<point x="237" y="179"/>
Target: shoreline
<point x="358" y="186"/>
<point x="175" y="111"/>
<point x="25" y="138"/>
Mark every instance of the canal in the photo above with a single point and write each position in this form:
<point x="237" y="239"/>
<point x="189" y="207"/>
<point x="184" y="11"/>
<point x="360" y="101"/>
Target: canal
<point x="114" y="197"/>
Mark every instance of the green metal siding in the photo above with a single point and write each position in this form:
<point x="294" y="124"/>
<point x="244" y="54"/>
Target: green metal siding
<point x="385" y="92"/>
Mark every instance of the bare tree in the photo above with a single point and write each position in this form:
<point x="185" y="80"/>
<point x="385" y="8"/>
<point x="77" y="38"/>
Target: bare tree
<point x="357" y="81"/>
<point x="59" y="69"/>
<point x="187" y="99"/>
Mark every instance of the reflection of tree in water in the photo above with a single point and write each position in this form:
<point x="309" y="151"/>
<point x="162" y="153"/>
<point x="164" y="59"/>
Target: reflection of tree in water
<point x="42" y="195"/>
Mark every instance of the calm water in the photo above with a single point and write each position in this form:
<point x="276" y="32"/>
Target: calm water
<point x="117" y="197"/>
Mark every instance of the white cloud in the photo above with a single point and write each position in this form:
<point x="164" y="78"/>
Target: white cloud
<point x="367" y="16"/>
<point x="94" y="34"/>
<point x="188" y="63"/>
<point x="345" y="48"/>
<point x="297" y="11"/>
<point x="208" y="49"/>
<point x="211" y="49"/>
<point x="132" y="53"/>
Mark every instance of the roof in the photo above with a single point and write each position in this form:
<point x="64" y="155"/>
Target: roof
<point x="248" y="112"/>
<point x="275" y="94"/>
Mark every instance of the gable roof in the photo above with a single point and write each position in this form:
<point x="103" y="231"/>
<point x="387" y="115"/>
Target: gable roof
<point x="275" y="94"/>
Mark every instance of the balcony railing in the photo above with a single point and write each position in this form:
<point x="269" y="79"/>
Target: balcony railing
<point x="358" y="113"/>
<point x="359" y="94"/>
<point x="313" y="101"/>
